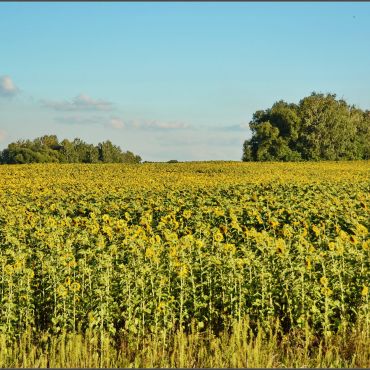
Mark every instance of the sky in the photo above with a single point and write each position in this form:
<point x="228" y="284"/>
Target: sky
<point x="176" y="80"/>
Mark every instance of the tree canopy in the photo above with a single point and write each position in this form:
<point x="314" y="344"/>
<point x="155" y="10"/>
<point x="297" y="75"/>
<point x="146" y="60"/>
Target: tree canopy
<point x="319" y="127"/>
<point x="47" y="149"/>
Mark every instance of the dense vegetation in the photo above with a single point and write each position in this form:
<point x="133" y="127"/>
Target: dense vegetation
<point x="48" y="149"/>
<point x="185" y="265"/>
<point x="320" y="127"/>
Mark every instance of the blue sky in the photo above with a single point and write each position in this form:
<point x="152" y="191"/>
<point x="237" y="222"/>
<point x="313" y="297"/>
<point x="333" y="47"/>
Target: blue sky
<point x="172" y="80"/>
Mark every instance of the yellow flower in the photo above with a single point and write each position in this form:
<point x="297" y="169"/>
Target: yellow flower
<point x="274" y="224"/>
<point x="259" y="219"/>
<point x="324" y="280"/>
<point x="9" y="270"/>
<point x="161" y="306"/>
<point x="235" y="225"/>
<point x="18" y="266"/>
<point x="75" y="287"/>
<point x="121" y="224"/>
<point x="199" y="244"/>
<point x="170" y="236"/>
<point x="316" y="230"/>
<point x="157" y="238"/>
<point x="183" y="271"/>
<point x="173" y="252"/>
<point x="91" y="317"/>
<point x="326" y="291"/>
<point x="308" y="264"/>
<point x="95" y="229"/>
<point x="280" y="245"/>
<point x="187" y="214"/>
<point x="287" y="231"/>
<point x="343" y="235"/>
<point x="365" y="291"/>
<point x="228" y="247"/>
<point x="72" y="264"/>
<point x="150" y="252"/>
<point x="361" y="229"/>
<point x="217" y="236"/>
<point x="30" y="273"/>
<point x="62" y="291"/>
<point x="219" y="212"/>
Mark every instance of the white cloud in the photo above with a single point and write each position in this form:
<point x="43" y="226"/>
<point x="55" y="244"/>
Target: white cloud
<point x="7" y="87"/>
<point x="81" y="102"/>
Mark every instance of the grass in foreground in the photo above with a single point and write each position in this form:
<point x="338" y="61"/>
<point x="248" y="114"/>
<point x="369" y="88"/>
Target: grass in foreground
<point x="236" y="347"/>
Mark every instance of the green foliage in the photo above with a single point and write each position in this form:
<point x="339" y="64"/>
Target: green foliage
<point x="129" y="157"/>
<point x="47" y="149"/>
<point x="320" y="127"/>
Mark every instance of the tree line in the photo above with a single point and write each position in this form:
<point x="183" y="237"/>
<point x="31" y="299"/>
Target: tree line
<point x="319" y="127"/>
<point x="48" y="149"/>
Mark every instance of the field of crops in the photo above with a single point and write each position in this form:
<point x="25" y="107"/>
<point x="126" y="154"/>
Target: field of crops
<point x="153" y="250"/>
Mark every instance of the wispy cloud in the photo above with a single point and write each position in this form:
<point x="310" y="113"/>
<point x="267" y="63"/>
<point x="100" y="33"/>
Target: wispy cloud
<point x="242" y="127"/>
<point x="118" y="123"/>
<point x="160" y="125"/>
<point x="2" y="135"/>
<point x="80" y="120"/>
<point x="199" y="144"/>
<point x="81" y="102"/>
<point x="201" y="137"/>
<point x="7" y="87"/>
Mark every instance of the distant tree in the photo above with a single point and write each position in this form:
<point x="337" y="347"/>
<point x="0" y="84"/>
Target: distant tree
<point x="47" y="148"/>
<point x="362" y="141"/>
<point x="109" y="153"/>
<point x="68" y="151"/>
<point x="49" y="141"/>
<point x="129" y="157"/>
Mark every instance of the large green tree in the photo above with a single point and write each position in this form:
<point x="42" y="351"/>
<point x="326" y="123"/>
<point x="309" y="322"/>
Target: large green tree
<point x="274" y="134"/>
<point x="320" y="127"/>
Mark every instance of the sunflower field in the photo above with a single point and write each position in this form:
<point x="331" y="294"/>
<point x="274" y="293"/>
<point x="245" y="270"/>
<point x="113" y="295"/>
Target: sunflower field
<point x="128" y="251"/>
